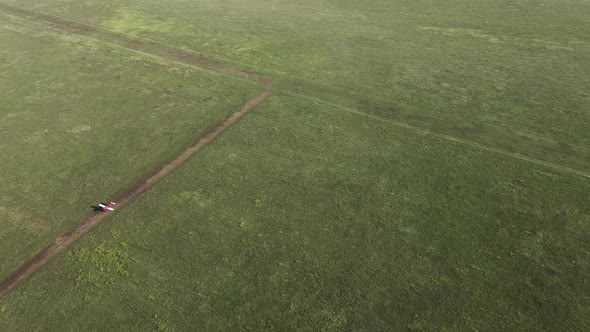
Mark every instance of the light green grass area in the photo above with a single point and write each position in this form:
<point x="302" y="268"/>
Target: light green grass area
<point x="305" y="216"/>
<point x="511" y="75"/>
<point x="81" y="121"/>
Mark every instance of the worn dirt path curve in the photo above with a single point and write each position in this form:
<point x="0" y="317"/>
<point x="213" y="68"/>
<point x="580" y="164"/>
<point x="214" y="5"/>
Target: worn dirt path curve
<point x="86" y="224"/>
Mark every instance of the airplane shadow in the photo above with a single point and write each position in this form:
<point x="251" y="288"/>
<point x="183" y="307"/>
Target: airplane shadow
<point x="96" y="208"/>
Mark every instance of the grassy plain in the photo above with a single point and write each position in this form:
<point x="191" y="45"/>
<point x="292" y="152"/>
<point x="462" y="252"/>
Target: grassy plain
<point x="322" y="209"/>
<point x="307" y="216"/>
<point x="508" y="75"/>
<point x="80" y="121"/>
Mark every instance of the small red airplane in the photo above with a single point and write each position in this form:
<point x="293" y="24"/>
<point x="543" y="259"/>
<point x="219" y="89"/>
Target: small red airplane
<point x="105" y="207"/>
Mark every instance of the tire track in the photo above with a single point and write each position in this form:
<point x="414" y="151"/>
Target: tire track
<point x="89" y="222"/>
<point x="301" y="88"/>
<point x="86" y="224"/>
<point x="560" y="168"/>
<point x="135" y="44"/>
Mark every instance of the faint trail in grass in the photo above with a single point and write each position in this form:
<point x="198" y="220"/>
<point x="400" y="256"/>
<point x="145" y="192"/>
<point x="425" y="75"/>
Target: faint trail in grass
<point x="86" y="224"/>
<point x="136" y="44"/>
<point x="298" y="85"/>
<point x="287" y="82"/>
<point x="456" y="139"/>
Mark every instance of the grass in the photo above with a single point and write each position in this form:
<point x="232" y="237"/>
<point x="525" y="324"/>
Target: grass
<point x="511" y="76"/>
<point x="306" y="216"/>
<point x="383" y="186"/>
<point x="80" y="121"/>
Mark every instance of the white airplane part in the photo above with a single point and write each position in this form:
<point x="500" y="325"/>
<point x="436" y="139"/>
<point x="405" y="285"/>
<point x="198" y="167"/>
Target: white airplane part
<point x="105" y="207"/>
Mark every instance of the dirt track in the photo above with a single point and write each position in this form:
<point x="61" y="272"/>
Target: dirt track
<point x="129" y="42"/>
<point x="86" y="224"/>
<point x="62" y="242"/>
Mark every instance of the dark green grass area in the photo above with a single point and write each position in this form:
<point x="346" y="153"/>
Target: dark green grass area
<point x="81" y="121"/>
<point x="304" y="216"/>
<point x="512" y="75"/>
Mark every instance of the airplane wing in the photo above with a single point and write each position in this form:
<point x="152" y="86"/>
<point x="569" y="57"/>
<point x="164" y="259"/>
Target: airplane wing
<point x="110" y="209"/>
<point x="102" y="205"/>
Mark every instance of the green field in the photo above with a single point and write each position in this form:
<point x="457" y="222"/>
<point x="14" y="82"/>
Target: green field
<point x="420" y="165"/>
<point x="80" y="121"/>
<point x="305" y="216"/>
<point x="506" y="74"/>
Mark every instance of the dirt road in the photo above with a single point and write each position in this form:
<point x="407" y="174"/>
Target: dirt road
<point x="86" y="224"/>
